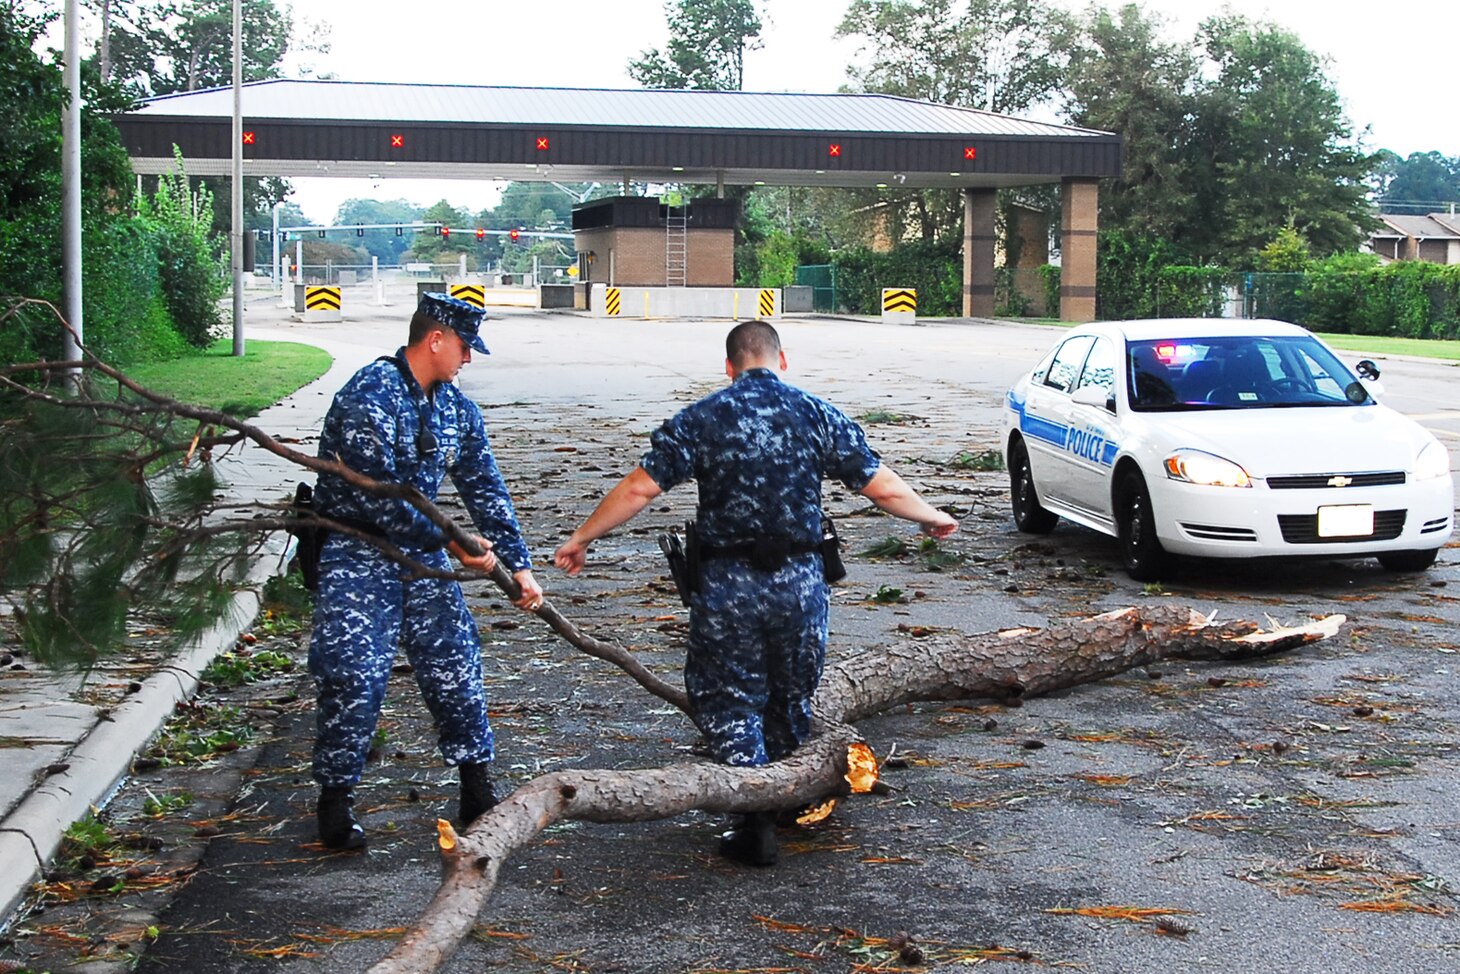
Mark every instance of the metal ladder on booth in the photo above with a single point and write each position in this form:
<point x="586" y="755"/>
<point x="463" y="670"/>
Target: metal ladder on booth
<point x="676" y="246"/>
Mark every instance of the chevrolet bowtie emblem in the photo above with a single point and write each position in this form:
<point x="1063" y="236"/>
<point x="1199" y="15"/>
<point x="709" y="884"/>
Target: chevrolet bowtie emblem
<point x="1340" y="481"/>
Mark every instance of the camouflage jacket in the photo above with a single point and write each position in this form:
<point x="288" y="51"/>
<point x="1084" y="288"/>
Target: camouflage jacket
<point x="759" y="450"/>
<point x="375" y="426"/>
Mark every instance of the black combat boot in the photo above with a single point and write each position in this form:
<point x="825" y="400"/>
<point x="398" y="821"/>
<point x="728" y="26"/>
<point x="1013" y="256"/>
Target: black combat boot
<point x="753" y="841"/>
<point x="477" y="795"/>
<point x="337" y="826"/>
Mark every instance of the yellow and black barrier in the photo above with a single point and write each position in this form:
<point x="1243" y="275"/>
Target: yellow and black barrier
<point x="767" y="303"/>
<point x="612" y="302"/>
<point x="899" y="305"/>
<point x="321" y="299"/>
<point x="322" y="303"/>
<point x="473" y="294"/>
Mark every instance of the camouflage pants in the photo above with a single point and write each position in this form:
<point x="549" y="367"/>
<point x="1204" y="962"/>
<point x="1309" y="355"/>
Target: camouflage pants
<point x="757" y="642"/>
<point x="363" y="611"/>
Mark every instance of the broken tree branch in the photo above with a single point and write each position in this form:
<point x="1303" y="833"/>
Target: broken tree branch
<point x="1000" y="666"/>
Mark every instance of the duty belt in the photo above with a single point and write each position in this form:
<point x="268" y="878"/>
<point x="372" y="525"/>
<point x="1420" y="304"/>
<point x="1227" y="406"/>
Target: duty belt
<point x="767" y="554"/>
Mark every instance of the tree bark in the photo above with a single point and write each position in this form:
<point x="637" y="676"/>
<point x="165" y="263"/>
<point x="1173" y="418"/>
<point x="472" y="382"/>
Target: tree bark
<point x="1002" y="666"/>
<point x="104" y="56"/>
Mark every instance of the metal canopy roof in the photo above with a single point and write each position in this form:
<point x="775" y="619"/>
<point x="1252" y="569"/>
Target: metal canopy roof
<point x="335" y="128"/>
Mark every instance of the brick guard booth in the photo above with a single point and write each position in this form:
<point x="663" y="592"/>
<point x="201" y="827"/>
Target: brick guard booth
<point x="639" y="241"/>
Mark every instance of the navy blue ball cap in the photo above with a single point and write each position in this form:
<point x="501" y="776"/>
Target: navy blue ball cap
<point x="461" y="317"/>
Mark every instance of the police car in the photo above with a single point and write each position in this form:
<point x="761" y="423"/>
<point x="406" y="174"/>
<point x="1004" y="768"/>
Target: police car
<point x="1220" y="438"/>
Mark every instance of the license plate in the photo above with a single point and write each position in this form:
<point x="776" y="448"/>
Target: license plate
<point x="1346" y="521"/>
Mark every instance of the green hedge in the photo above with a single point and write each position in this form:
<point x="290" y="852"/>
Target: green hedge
<point x="1410" y="299"/>
<point x="1049" y="275"/>
<point x="1190" y="292"/>
<point x="1346" y="293"/>
<point x="934" y="269"/>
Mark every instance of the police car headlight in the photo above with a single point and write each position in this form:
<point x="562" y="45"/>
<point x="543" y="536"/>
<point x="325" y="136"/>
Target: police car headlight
<point x="1433" y="461"/>
<point x="1195" y="467"/>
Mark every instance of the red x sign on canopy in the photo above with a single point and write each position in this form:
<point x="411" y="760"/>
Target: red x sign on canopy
<point x="835" y="149"/>
<point x="397" y="141"/>
<point x="248" y="138"/>
<point x="970" y="152"/>
<point x="542" y="142"/>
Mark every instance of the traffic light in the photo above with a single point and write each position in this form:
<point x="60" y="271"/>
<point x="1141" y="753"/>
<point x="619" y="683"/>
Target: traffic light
<point x="359" y="231"/>
<point x="400" y="231"/>
<point x="445" y="231"/>
<point x="513" y="234"/>
<point x="481" y="234"/>
<point x="321" y="235"/>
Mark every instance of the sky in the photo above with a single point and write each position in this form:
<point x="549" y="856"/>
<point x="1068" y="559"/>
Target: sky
<point x="1387" y="62"/>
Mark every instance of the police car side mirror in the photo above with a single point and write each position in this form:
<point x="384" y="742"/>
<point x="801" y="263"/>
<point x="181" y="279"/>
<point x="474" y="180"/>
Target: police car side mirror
<point x="1367" y="369"/>
<point x="1094" y="396"/>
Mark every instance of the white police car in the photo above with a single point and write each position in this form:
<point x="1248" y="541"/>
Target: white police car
<point x="1219" y="438"/>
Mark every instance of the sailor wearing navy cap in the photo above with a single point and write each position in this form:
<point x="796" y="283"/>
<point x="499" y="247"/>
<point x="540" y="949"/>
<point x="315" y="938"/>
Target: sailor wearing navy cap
<point x="401" y="420"/>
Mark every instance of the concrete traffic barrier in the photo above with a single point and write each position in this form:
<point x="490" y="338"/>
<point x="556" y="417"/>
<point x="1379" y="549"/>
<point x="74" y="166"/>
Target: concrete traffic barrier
<point x="322" y="303"/>
<point x="473" y="294"/>
<point x="900" y="305"/>
<point x="685" y="302"/>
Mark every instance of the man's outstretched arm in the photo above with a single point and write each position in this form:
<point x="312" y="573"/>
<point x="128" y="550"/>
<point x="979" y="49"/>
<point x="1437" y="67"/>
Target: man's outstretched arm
<point x="892" y="494"/>
<point x="630" y="496"/>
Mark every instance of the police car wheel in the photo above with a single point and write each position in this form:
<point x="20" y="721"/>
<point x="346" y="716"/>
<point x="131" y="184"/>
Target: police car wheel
<point x="1408" y="561"/>
<point x="1030" y="517"/>
<point x="1145" y="559"/>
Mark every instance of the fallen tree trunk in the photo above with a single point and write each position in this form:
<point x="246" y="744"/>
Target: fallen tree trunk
<point x="1002" y="666"/>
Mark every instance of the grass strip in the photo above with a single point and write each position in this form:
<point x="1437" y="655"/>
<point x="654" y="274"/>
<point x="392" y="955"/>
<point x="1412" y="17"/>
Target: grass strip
<point x="240" y="386"/>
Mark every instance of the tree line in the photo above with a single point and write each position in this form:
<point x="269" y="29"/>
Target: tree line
<point x="1233" y="137"/>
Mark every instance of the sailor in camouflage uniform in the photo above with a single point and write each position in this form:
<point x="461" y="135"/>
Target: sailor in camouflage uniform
<point x="759" y="450"/>
<point x="401" y="420"/>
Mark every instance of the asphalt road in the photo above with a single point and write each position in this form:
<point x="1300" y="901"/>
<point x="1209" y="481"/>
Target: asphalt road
<point x="1293" y="814"/>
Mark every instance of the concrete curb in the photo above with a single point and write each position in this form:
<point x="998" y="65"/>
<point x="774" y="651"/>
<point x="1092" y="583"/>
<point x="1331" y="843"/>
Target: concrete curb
<point x="32" y="832"/>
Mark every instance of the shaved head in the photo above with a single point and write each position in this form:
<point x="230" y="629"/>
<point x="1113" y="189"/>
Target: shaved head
<point x="751" y="341"/>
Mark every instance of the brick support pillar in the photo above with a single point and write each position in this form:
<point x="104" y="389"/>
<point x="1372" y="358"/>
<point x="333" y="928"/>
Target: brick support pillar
<point x="1079" y="222"/>
<point x="978" y="253"/>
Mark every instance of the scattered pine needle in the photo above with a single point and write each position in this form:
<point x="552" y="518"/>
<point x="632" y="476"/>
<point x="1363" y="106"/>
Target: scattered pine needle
<point x="481" y="932"/>
<point x="1394" y="904"/>
<point x="288" y="950"/>
<point x="1105" y="780"/>
<point x="1131" y="914"/>
<point x="334" y="935"/>
<point x="773" y="924"/>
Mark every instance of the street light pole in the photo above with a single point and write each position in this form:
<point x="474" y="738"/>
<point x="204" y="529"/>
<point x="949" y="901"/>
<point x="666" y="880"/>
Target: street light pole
<point x="71" y="188"/>
<point x="235" y="236"/>
<point x="274" y="268"/>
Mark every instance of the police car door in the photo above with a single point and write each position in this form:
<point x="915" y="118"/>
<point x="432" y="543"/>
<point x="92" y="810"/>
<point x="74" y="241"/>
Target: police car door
<point x="1047" y="420"/>
<point x="1092" y="427"/>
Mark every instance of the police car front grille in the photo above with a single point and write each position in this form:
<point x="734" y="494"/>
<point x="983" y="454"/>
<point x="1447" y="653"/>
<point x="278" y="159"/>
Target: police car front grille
<point x="1303" y="528"/>
<point x="1212" y="532"/>
<point x="1385" y="478"/>
<point x="1438" y="524"/>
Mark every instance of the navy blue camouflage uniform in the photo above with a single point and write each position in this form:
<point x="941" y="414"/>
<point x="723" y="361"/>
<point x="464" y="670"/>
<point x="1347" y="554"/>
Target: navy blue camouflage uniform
<point x="759" y="450"/>
<point x="364" y="607"/>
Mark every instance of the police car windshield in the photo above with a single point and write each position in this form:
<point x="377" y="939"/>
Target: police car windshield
<point x="1235" y="372"/>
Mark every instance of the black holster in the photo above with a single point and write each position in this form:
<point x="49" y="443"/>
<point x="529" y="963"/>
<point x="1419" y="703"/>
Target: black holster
<point x="309" y="537"/>
<point x="832" y="568"/>
<point x="683" y="553"/>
